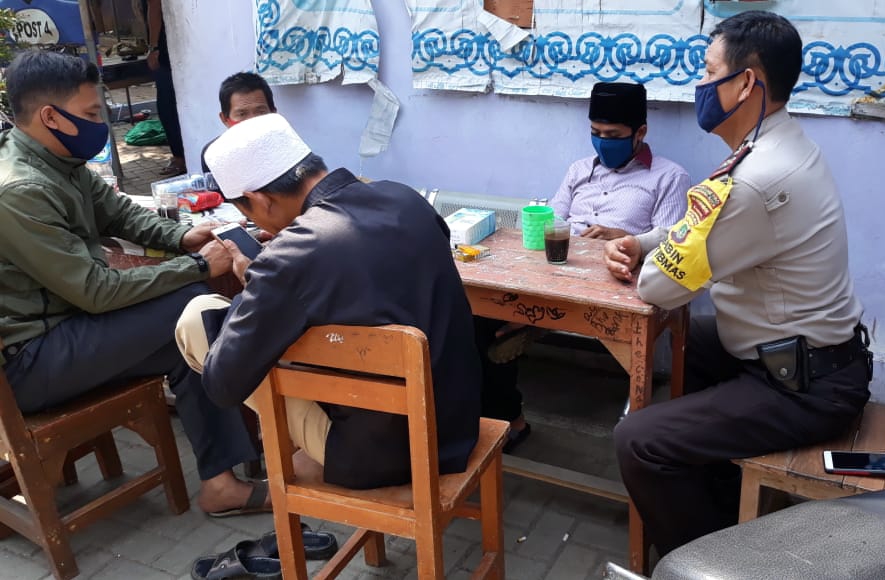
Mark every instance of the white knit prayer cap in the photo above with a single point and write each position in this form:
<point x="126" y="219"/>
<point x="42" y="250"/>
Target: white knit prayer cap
<point x="253" y="153"/>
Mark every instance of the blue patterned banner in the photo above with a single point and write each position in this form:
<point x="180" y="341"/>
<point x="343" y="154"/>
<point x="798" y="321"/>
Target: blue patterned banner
<point x="313" y="41"/>
<point x="654" y="42"/>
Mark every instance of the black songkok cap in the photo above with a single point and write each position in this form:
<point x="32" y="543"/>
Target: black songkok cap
<point x="622" y="103"/>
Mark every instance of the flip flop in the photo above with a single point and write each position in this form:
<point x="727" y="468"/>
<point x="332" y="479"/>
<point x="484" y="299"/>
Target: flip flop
<point x="513" y="344"/>
<point x="236" y="564"/>
<point x="317" y="545"/>
<point x="261" y="556"/>
<point x="254" y="505"/>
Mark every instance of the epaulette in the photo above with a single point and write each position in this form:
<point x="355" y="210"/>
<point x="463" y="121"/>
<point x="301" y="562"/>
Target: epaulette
<point x="733" y="160"/>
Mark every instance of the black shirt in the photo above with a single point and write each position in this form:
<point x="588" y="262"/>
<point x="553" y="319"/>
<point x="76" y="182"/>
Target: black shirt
<point x="361" y="254"/>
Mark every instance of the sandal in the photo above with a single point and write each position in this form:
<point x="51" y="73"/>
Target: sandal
<point x="513" y="344"/>
<point x="317" y="545"/>
<point x="261" y="558"/>
<point x="255" y="504"/>
<point x="237" y="564"/>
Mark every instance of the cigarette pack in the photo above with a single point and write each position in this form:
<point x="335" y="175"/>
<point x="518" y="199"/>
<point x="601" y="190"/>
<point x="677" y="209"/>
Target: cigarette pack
<point x="468" y="226"/>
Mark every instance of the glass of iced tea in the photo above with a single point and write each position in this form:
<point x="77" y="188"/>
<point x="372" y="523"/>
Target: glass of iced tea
<point x="556" y="237"/>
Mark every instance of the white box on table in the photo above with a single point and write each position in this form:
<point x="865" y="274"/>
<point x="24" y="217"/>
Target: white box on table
<point x="468" y="226"/>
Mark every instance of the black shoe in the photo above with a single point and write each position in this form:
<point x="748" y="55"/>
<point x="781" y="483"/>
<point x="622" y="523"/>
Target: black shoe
<point x="517" y="437"/>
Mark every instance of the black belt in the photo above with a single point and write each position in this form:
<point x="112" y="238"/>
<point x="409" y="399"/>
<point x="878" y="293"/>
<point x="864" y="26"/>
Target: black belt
<point x="829" y="359"/>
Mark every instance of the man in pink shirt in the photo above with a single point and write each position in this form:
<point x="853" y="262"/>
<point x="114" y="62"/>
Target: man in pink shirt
<point x="622" y="189"/>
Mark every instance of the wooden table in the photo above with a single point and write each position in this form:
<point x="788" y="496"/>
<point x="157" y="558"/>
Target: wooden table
<point x="518" y="285"/>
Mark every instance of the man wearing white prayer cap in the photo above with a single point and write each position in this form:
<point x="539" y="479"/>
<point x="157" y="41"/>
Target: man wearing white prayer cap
<point x="343" y="252"/>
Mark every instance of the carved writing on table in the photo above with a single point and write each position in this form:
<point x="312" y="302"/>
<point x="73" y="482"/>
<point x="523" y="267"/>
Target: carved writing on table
<point x="535" y="312"/>
<point x="556" y="313"/>
<point x="607" y="322"/>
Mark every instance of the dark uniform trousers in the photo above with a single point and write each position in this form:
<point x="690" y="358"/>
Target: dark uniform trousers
<point x="501" y="398"/>
<point x="675" y="456"/>
<point x="88" y="350"/>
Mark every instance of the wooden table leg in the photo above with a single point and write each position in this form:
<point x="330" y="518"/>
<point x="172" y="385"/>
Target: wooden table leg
<point x="641" y="365"/>
<point x="638" y="542"/>
<point x="751" y="488"/>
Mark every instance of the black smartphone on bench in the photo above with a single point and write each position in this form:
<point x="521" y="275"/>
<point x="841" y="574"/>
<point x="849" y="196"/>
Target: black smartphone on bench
<point x="247" y="244"/>
<point x="854" y="463"/>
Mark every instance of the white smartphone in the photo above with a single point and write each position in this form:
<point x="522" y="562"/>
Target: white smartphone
<point x="854" y="463"/>
<point x="238" y="235"/>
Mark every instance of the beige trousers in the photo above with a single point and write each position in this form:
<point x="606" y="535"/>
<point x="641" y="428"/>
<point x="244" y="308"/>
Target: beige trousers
<point x="308" y="423"/>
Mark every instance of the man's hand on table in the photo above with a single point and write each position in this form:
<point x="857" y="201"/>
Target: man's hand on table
<point x="621" y="256"/>
<point x="602" y="232"/>
<point x="240" y="261"/>
<point x="198" y="236"/>
<point x="218" y="257"/>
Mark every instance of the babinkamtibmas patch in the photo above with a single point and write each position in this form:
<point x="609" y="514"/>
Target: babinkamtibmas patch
<point x="683" y="255"/>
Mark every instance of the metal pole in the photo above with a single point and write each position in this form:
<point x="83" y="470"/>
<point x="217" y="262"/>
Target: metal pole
<point x="88" y="37"/>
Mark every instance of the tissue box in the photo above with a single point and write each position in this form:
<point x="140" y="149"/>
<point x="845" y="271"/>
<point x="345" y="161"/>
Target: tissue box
<point x="468" y="226"/>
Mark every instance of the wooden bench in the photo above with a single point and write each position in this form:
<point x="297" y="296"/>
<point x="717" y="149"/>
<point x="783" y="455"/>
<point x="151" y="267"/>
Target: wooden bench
<point x="800" y="472"/>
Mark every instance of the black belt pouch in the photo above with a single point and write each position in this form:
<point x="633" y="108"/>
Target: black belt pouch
<point x="787" y="362"/>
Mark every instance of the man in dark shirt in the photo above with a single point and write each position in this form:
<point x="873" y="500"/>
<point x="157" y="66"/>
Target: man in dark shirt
<point x="242" y="96"/>
<point x="344" y="252"/>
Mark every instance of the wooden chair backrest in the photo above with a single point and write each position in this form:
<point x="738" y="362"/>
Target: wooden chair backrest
<point x="381" y="368"/>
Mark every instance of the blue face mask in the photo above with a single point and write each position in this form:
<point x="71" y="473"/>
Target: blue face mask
<point x="613" y="152"/>
<point x="88" y="141"/>
<point x="708" y="107"/>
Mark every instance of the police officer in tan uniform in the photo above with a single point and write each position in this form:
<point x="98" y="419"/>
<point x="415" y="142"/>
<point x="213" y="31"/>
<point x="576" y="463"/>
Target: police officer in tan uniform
<point x="784" y="363"/>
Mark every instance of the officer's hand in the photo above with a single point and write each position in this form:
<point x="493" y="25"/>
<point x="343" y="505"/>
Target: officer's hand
<point x="218" y="258"/>
<point x="602" y="232"/>
<point x="621" y="256"/>
<point x="240" y="261"/>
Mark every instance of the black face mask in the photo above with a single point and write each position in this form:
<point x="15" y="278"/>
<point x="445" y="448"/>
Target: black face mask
<point x="88" y="141"/>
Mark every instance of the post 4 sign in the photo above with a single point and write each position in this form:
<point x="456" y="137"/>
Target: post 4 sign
<point x="34" y="26"/>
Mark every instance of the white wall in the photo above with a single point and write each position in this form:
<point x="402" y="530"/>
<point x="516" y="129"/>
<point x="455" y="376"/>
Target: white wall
<point x="513" y="146"/>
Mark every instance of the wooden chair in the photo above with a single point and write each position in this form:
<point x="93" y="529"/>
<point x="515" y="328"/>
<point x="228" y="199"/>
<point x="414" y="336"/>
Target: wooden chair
<point x="393" y="363"/>
<point x="41" y="449"/>
<point x="800" y="472"/>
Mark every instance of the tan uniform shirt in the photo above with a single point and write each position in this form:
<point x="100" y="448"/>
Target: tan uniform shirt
<point x="778" y="250"/>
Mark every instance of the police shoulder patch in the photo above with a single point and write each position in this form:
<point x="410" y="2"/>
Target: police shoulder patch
<point x="727" y="166"/>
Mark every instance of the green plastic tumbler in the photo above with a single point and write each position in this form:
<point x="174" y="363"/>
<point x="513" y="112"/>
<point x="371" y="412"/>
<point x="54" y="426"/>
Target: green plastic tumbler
<point x="533" y="219"/>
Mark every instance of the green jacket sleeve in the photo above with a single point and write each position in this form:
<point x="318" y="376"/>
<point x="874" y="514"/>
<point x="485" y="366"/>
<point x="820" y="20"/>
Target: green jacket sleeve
<point x="35" y="235"/>
<point x="118" y="216"/>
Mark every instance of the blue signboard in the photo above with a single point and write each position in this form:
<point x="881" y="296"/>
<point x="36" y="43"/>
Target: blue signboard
<point x="46" y="21"/>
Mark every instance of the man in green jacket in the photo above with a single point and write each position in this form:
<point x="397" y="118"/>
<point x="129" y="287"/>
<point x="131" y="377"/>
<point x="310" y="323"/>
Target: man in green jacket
<point x="68" y="322"/>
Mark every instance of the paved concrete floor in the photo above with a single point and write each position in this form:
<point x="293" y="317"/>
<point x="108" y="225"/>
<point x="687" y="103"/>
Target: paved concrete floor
<point x="572" y="406"/>
<point x="573" y="398"/>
